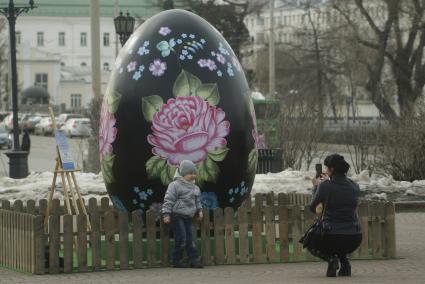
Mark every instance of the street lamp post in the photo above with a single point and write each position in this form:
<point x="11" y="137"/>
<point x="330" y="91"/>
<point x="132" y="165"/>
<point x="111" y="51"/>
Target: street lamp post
<point x="124" y="26"/>
<point x="18" y="164"/>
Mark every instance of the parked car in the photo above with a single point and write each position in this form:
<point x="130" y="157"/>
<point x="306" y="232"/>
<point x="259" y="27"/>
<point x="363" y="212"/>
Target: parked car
<point x="30" y="123"/>
<point x="44" y="127"/>
<point x="8" y="121"/>
<point x="64" y="117"/>
<point x="5" y="138"/>
<point x="77" y="127"/>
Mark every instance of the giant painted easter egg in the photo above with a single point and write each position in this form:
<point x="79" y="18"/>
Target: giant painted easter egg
<point x="177" y="92"/>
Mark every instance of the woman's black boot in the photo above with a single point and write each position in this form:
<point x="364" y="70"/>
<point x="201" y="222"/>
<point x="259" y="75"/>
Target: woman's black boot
<point x="332" y="266"/>
<point x="345" y="267"/>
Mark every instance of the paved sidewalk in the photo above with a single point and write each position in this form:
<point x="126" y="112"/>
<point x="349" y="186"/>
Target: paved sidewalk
<point x="410" y="268"/>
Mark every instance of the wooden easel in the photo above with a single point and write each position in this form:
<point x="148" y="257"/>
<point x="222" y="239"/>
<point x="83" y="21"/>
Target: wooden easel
<point x="71" y="191"/>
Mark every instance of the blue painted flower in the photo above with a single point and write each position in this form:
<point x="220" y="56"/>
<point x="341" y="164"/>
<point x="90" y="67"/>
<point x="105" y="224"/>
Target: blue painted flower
<point x="136" y="189"/>
<point x="223" y="50"/>
<point x="213" y="53"/>
<point x="135" y="201"/>
<point x="118" y="204"/>
<point x="142" y="68"/>
<point x="146" y="43"/>
<point x="143" y="195"/>
<point x="184" y="35"/>
<point x="192" y="36"/>
<point x="209" y="200"/>
<point x="236" y="190"/>
<point x="231" y="199"/>
<point x="137" y="75"/>
<point x="230" y="72"/>
<point x="185" y="52"/>
<point x="142" y="51"/>
<point x="149" y="191"/>
<point x="166" y="47"/>
<point x="182" y="57"/>
<point x="130" y="51"/>
<point x="179" y="41"/>
<point x="190" y="56"/>
<point x="219" y="73"/>
<point x="203" y="41"/>
<point x="231" y="191"/>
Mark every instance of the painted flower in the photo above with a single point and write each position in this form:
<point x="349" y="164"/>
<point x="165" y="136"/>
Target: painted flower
<point x="221" y="59"/>
<point x="166" y="47"/>
<point x="223" y="50"/>
<point x="189" y="56"/>
<point x="164" y="31"/>
<point x="209" y="200"/>
<point x="179" y="41"/>
<point x="137" y="75"/>
<point x="143" y="195"/>
<point x="156" y="207"/>
<point x="184" y="35"/>
<point x="219" y="73"/>
<point x="131" y="66"/>
<point x="210" y="64"/>
<point x="158" y="67"/>
<point x="107" y="131"/>
<point x="142" y="51"/>
<point x="203" y="41"/>
<point x="118" y="203"/>
<point x="186" y="128"/>
<point x="182" y="57"/>
<point x="192" y="36"/>
<point x="142" y="68"/>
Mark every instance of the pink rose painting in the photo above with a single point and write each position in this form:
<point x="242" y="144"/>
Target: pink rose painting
<point x="186" y="128"/>
<point x="189" y="126"/>
<point x="107" y="131"/>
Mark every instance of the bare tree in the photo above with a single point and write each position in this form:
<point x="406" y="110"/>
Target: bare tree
<point x="395" y="31"/>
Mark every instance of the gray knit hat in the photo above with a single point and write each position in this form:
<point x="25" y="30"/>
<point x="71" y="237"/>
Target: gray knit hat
<point x="186" y="167"/>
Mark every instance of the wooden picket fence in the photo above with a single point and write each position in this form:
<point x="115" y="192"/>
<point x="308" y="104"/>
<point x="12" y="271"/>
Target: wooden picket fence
<point x="264" y="230"/>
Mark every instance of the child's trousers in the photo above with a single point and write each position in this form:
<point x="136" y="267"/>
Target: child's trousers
<point x="183" y="238"/>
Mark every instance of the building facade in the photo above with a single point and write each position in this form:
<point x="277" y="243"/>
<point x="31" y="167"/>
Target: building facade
<point x="54" y="46"/>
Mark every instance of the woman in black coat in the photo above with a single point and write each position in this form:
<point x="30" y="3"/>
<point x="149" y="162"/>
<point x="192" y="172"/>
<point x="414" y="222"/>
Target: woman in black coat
<point x="339" y="196"/>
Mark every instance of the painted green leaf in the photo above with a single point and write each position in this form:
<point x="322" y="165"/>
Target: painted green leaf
<point x="208" y="171"/>
<point x="150" y="105"/>
<point x="252" y="161"/>
<point x="219" y="154"/>
<point x="167" y="174"/>
<point x="113" y="99"/>
<point x="107" y="163"/>
<point x="186" y="84"/>
<point x="154" y="167"/>
<point x="209" y="92"/>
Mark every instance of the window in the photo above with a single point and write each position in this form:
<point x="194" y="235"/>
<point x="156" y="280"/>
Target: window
<point x="61" y="39"/>
<point x="105" y="39"/>
<point x="41" y="80"/>
<point x="83" y="64"/>
<point x="18" y="37"/>
<point x="75" y="100"/>
<point x="83" y="39"/>
<point x="106" y="66"/>
<point x="40" y="38"/>
<point x="62" y="63"/>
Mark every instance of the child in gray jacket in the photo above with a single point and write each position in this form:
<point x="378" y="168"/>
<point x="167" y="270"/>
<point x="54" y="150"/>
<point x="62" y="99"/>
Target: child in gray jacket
<point x="182" y="202"/>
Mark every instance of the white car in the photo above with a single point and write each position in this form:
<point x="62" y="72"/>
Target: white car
<point x="64" y="117"/>
<point x="77" y="127"/>
<point x="44" y="127"/>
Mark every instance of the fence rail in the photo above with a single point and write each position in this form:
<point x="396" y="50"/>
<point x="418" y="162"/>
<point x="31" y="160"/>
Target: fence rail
<point x="264" y="230"/>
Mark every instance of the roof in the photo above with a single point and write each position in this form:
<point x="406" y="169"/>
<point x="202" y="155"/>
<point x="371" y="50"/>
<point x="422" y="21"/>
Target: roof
<point x="35" y="92"/>
<point x="81" y="8"/>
